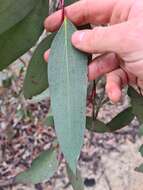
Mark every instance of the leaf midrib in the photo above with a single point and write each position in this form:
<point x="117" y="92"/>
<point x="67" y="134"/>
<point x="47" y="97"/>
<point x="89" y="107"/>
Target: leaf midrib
<point x="67" y="70"/>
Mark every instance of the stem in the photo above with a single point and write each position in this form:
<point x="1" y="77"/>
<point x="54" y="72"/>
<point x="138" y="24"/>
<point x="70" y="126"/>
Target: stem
<point x="100" y="103"/>
<point x="63" y="9"/>
<point x="93" y="100"/>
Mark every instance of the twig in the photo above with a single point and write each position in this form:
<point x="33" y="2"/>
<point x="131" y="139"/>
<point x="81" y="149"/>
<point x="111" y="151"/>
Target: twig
<point x="93" y="99"/>
<point x="63" y="9"/>
<point x="99" y="103"/>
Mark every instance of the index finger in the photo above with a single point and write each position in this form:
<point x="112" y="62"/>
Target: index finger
<point x="82" y="12"/>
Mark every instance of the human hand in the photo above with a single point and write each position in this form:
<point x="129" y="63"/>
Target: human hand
<point x="123" y="36"/>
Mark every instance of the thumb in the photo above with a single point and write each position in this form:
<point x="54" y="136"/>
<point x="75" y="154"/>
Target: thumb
<point x="103" y="39"/>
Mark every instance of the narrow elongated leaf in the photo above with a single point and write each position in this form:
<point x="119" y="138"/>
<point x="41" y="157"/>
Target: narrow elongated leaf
<point x="118" y="122"/>
<point x="139" y="169"/>
<point x="121" y="120"/>
<point x="36" y="77"/>
<point x="137" y="103"/>
<point x="67" y="73"/>
<point x="75" y="180"/>
<point x="13" y="11"/>
<point x="42" y="168"/>
<point x="20" y="38"/>
<point x="96" y="125"/>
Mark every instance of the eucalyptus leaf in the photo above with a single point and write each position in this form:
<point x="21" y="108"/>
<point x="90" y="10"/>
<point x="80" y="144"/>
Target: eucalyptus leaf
<point x="90" y="124"/>
<point x="21" y="37"/>
<point x="67" y="75"/>
<point x="122" y="119"/>
<point x="75" y="180"/>
<point x="36" y="77"/>
<point x="42" y="168"/>
<point x="137" y="103"/>
<point x="13" y="11"/>
<point x="119" y="121"/>
<point x="96" y="125"/>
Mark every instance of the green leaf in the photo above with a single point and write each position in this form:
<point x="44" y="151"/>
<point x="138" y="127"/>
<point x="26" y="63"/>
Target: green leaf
<point x="137" y="103"/>
<point x="36" y="77"/>
<point x="118" y="122"/>
<point x="141" y="150"/>
<point x="139" y="169"/>
<point x="96" y="125"/>
<point x="121" y="120"/>
<point x="75" y="180"/>
<point x="67" y="73"/>
<point x="42" y="168"/>
<point x="21" y="37"/>
<point x="13" y="11"/>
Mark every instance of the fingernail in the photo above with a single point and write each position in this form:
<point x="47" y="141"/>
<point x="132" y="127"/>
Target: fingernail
<point x="77" y="37"/>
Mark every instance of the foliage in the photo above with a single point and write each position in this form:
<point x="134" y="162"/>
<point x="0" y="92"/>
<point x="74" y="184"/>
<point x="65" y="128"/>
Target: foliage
<point x="69" y="72"/>
<point x="21" y="37"/>
<point x="11" y="12"/>
<point x="66" y="76"/>
<point x="42" y="168"/>
<point x="36" y="77"/>
<point x="119" y="121"/>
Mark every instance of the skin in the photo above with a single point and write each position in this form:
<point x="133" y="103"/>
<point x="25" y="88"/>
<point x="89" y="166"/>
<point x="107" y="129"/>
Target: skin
<point x="120" y="42"/>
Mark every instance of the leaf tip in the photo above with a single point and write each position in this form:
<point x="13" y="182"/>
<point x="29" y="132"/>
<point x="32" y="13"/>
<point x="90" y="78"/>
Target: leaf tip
<point x="72" y="165"/>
